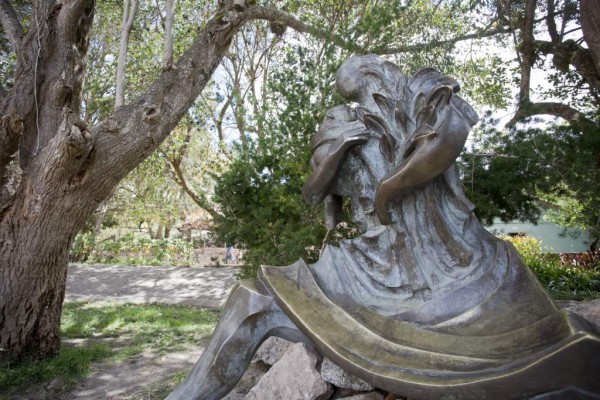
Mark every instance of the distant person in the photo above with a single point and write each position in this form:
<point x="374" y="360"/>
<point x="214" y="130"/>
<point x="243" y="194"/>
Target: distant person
<point x="229" y="256"/>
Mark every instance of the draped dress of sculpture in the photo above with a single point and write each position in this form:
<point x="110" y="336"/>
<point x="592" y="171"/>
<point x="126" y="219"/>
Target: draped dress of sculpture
<point x="424" y="303"/>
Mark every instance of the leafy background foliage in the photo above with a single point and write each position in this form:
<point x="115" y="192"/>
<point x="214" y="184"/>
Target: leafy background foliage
<point x="565" y="277"/>
<point x="260" y="193"/>
<point x="509" y="175"/>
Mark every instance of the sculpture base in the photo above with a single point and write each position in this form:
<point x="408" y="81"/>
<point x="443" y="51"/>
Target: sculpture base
<point x="418" y="362"/>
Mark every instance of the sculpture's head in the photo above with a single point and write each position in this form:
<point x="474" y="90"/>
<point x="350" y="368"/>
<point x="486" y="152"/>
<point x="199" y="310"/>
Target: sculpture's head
<point x="420" y="122"/>
<point x="352" y="80"/>
<point x="380" y="87"/>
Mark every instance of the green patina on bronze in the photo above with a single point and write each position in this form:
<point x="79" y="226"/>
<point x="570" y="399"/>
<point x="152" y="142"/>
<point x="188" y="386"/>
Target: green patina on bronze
<point x="508" y="364"/>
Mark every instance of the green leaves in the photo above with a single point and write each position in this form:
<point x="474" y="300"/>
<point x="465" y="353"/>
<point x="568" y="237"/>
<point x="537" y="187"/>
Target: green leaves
<point x="260" y="194"/>
<point x="507" y="174"/>
<point x="130" y="250"/>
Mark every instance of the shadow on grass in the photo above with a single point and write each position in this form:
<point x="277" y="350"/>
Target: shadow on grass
<point x="162" y="328"/>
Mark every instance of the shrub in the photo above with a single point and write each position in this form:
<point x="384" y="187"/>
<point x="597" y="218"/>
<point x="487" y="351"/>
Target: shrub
<point x="82" y="248"/>
<point x="588" y="260"/>
<point x="132" y="251"/>
<point x="562" y="278"/>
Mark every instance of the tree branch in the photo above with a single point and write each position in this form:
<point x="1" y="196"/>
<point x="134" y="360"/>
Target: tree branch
<point x="136" y="129"/>
<point x="568" y="113"/>
<point x="570" y="53"/>
<point x="129" y="11"/>
<point x="10" y="23"/>
<point x="565" y="53"/>
<point x="527" y="51"/>
<point x="446" y="42"/>
<point x="168" y="56"/>
<point x="283" y="18"/>
<point x="219" y="121"/>
<point x="590" y="23"/>
<point x="199" y="199"/>
<point x="70" y="15"/>
<point x="552" y="31"/>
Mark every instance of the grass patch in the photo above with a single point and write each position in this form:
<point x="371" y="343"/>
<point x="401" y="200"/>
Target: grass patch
<point x="69" y="365"/>
<point x="149" y="327"/>
<point x="108" y="332"/>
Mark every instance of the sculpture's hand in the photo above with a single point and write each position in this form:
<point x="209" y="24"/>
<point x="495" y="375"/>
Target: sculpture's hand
<point x="346" y="141"/>
<point x="382" y="199"/>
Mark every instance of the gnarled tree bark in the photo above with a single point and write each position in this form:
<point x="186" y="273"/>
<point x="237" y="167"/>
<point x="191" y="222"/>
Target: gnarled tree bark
<point x="590" y="23"/>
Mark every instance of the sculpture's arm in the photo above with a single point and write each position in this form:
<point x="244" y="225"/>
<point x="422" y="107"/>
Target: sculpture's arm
<point x="317" y="185"/>
<point x="432" y="153"/>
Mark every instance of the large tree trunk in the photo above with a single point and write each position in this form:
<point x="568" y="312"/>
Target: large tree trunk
<point x="68" y="169"/>
<point x="36" y="235"/>
<point x="590" y="23"/>
<point x="50" y="145"/>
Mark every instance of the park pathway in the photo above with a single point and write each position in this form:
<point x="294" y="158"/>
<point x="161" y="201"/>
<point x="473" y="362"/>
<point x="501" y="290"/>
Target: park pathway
<point x="197" y="286"/>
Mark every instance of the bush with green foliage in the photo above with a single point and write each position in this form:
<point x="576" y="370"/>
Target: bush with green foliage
<point x="83" y="247"/>
<point x="562" y="279"/>
<point x="506" y="174"/>
<point x="260" y="195"/>
<point x="132" y="251"/>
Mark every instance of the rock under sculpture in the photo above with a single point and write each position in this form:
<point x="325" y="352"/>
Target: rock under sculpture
<point x="425" y="303"/>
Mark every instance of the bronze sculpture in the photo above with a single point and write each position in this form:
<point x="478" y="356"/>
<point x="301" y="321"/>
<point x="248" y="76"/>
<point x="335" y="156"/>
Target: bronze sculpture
<point x="424" y="303"/>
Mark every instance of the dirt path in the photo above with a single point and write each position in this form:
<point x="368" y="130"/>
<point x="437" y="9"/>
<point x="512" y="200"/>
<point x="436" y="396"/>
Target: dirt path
<point x="197" y="286"/>
<point x="147" y="375"/>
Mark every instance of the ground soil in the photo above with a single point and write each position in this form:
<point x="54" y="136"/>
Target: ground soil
<point x="145" y="376"/>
